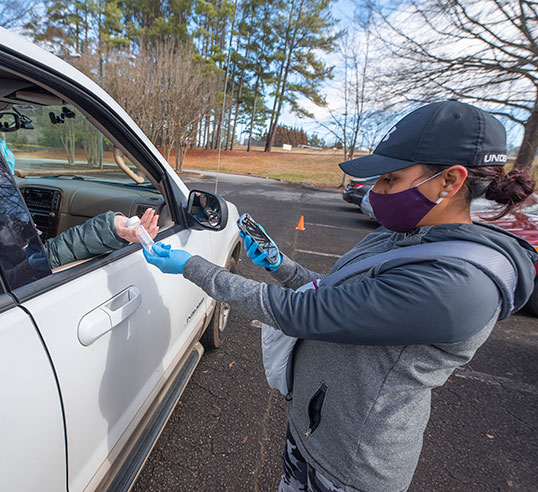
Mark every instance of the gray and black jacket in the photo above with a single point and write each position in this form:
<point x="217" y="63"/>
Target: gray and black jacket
<point x="96" y="236"/>
<point x="372" y="348"/>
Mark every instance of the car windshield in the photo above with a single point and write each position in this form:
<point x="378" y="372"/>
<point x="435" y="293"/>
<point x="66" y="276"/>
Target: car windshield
<point x="60" y="141"/>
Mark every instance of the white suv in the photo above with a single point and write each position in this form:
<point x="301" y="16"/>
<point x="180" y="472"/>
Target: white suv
<point x="95" y="353"/>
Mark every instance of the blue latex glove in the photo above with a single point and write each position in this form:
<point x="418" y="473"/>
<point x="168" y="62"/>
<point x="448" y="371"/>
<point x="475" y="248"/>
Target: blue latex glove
<point x="258" y="258"/>
<point x="168" y="260"/>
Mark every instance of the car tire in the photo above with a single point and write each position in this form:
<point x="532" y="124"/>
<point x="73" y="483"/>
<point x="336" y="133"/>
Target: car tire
<point x="532" y="304"/>
<point x="215" y="332"/>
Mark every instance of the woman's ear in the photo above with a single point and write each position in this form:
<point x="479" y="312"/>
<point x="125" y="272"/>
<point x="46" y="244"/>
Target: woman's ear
<point x="454" y="179"/>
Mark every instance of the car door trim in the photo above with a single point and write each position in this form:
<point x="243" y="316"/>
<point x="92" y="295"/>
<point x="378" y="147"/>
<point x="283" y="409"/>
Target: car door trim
<point x="6" y="302"/>
<point x="38" y="287"/>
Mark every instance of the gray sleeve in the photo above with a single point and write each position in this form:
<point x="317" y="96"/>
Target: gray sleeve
<point x="244" y="294"/>
<point x="291" y="274"/>
<point x="434" y="301"/>
<point x="96" y="236"/>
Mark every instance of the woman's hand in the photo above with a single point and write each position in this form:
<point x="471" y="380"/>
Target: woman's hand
<point x="148" y="220"/>
<point x="254" y="254"/>
<point x="168" y="260"/>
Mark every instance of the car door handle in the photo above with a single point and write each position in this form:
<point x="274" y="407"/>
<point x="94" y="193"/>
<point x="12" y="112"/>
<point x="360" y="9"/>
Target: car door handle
<point x="110" y="314"/>
<point x="120" y="307"/>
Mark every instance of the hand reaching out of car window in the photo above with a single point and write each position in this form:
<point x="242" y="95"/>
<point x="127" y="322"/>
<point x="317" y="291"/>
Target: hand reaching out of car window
<point x="148" y="220"/>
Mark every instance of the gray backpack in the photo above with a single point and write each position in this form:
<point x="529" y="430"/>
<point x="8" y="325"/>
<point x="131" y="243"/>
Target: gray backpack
<point x="277" y="348"/>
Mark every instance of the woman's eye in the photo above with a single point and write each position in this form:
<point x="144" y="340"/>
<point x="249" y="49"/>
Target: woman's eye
<point x="389" y="180"/>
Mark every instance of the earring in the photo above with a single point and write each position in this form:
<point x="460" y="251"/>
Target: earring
<point x="444" y="193"/>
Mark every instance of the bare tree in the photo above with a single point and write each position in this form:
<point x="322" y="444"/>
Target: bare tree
<point x="356" y="91"/>
<point x="68" y="137"/>
<point x="482" y="51"/>
<point x="166" y="91"/>
<point x="193" y="98"/>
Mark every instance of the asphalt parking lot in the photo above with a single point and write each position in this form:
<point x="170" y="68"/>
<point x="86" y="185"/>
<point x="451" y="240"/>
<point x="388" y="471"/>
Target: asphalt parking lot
<point x="227" y="432"/>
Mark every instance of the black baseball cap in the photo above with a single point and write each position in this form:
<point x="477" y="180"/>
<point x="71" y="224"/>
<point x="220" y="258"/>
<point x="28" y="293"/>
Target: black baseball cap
<point x="442" y="133"/>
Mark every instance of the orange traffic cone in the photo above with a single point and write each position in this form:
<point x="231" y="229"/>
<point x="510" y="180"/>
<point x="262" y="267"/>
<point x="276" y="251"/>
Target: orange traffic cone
<point x="300" y="225"/>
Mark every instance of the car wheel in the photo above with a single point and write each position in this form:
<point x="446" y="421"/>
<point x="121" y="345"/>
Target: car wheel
<point x="216" y="330"/>
<point x="532" y="304"/>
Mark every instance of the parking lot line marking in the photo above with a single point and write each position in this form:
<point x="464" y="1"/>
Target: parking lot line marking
<point x="316" y="253"/>
<point x="326" y="225"/>
<point x="495" y="380"/>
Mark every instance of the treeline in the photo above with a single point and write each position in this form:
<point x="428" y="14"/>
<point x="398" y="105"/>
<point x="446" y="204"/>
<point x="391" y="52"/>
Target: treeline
<point x="291" y="136"/>
<point x="193" y="72"/>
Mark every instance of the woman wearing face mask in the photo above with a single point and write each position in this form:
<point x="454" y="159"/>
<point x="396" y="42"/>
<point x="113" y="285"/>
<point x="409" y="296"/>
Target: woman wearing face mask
<point x="372" y="347"/>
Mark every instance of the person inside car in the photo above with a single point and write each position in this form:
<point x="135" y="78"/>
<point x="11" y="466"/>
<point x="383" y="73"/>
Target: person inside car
<point x="371" y="349"/>
<point x="102" y="233"/>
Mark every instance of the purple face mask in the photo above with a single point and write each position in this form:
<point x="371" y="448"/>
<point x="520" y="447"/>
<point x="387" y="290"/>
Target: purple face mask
<point x="401" y="212"/>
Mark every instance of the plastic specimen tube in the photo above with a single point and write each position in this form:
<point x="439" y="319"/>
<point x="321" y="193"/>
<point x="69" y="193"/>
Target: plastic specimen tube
<point x="143" y="237"/>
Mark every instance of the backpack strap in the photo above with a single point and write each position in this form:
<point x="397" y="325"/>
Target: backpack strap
<point x="490" y="261"/>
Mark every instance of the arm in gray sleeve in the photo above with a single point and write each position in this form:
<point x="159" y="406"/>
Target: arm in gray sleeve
<point x="96" y="236"/>
<point x="291" y="274"/>
<point x="244" y="294"/>
<point x="432" y="301"/>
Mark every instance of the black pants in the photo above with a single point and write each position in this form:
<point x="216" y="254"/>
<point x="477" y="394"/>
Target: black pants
<point x="299" y="475"/>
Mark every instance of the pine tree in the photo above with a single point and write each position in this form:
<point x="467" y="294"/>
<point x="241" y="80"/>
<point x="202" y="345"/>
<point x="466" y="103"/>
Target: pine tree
<point x="304" y="27"/>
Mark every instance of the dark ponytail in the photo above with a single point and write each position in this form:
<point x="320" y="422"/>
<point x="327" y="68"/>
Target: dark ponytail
<point x="492" y="183"/>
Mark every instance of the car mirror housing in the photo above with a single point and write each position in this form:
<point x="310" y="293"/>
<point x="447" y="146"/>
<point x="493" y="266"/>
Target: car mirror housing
<point x="206" y="211"/>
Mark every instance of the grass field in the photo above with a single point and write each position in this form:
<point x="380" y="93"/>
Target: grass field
<point x="317" y="168"/>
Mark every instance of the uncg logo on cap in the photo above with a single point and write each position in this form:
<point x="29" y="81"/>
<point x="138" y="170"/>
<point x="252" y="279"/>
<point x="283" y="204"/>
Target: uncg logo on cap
<point x="494" y="158"/>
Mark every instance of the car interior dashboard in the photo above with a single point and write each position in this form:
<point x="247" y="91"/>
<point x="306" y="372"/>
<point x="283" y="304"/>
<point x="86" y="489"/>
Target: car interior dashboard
<point x="58" y="203"/>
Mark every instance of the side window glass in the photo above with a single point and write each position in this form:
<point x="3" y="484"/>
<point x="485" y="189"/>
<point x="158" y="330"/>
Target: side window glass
<point x="74" y="181"/>
<point x="21" y="254"/>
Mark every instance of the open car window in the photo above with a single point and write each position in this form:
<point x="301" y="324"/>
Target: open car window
<point x="73" y="180"/>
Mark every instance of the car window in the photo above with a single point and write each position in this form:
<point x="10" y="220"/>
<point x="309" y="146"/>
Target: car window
<point x="74" y="180"/>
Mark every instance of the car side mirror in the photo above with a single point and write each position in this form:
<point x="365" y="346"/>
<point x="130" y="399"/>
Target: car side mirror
<point x="207" y="211"/>
<point x="9" y="122"/>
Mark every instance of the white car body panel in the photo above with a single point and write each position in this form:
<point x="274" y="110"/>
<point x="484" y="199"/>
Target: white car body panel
<point x="104" y="384"/>
<point x="107" y="381"/>
<point x="30" y="414"/>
